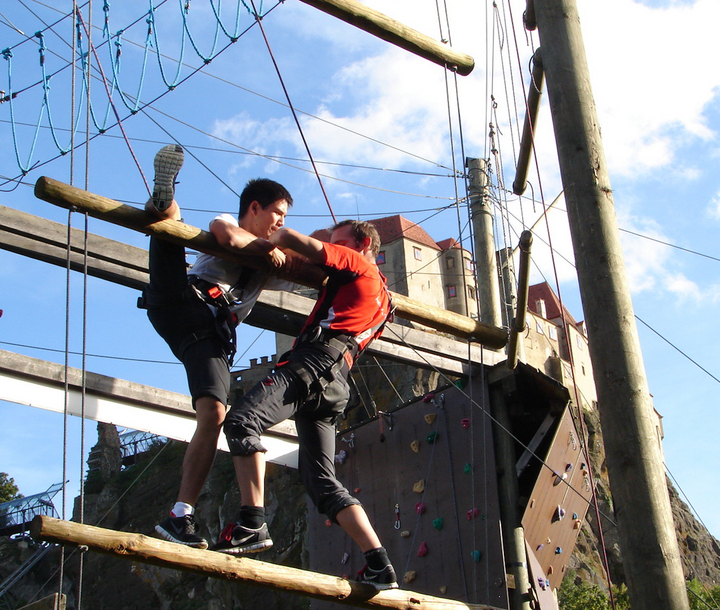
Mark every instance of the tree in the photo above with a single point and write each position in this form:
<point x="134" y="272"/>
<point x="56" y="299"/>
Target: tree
<point x="8" y="489"/>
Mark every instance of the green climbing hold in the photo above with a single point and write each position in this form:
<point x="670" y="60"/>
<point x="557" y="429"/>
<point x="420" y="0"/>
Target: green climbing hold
<point x="432" y="437"/>
<point x="438" y="523"/>
<point x="476" y="555"/>
<point x="468" y="468"/>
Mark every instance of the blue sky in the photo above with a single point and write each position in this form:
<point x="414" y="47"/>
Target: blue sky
<point x="377" y="122"/>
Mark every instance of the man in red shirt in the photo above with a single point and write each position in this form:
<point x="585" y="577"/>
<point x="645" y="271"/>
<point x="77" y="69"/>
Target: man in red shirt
<point x="310" y="383"/>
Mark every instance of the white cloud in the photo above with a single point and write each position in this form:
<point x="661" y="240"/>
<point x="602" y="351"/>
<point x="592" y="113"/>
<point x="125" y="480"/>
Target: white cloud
<point x="713" y="208"/>
<point x="650" y="81"/>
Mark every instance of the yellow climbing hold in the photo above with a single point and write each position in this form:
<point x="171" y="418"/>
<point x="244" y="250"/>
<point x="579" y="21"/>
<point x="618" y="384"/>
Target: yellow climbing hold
<point x="419" y="487"/>
<point x="430" y="417"/>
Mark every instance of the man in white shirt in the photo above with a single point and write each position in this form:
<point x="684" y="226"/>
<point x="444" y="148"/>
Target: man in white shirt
<point x="196" y="312"/>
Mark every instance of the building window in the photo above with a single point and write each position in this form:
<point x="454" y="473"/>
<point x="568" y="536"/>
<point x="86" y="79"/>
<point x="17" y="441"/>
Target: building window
<point x="579" y="342"/>
<point x="468" y="264"/>
<point x="452" y="292"/>
<point x="471" y="292"/>
<point x="450" y="264"/>
<point x="539" y="327"/>
<point x="381" y="257"/>
<point x="417" y="253"/>
<point x="553" y="333"/>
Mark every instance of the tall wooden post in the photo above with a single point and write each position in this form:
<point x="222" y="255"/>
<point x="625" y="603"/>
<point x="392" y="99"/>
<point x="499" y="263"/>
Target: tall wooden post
<point x="637" y="477"/>
<point x="485" y="258"/>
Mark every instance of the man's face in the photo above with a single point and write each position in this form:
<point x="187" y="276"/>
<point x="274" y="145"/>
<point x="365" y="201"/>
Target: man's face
<point x="343" y="236"/>
<point x="270" y="219"/>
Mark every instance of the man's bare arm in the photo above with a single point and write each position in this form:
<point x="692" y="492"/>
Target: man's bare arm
<point x="239" y="240"/>
<point x="302" y="244"/>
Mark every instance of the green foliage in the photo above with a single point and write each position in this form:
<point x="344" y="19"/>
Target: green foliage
<point x="702" y="597"/>
<point x="584" y="596"/>
<point x="8" y="489"/>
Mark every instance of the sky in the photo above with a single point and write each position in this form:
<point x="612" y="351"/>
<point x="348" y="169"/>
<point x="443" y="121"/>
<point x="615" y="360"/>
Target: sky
<point x="388" y="131"/>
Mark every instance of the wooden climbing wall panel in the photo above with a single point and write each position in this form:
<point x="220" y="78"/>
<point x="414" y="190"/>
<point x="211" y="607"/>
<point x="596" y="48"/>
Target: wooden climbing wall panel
<point x="434" y="452"/>
<point x="558" y="504"/>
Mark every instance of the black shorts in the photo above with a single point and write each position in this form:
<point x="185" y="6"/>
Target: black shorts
<point x="188" y="327"/>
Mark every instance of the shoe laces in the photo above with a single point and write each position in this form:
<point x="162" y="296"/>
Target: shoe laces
<point x="190" y="524"/>
<point x="227" y="532"/>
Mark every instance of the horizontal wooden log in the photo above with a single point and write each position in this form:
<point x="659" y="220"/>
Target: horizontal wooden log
<point x="71" y="197"/>
<point x="138" y="547"/>
<point x="392" y="31"/>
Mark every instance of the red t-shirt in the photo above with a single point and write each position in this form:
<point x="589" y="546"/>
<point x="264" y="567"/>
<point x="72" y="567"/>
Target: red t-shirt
<point x="355" y="305"/>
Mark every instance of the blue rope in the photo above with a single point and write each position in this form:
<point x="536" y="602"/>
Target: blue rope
<point x="102" y="120"/>
<point x="7" y="54"/>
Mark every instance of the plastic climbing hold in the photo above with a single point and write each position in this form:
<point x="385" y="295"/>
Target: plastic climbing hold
<point x="409" y="576"/>
<point x="539" y="547"/>
<point x="473" y="512"/>
<point x="328" y="523"/>
<point x="476" y="555"/>
<point x="419" y="487"/>
<point x="432" y="437"/>
<point x="559" y="478"/>
<point x="541" y="584"/>
<point x="468" y="468"/>
<point x="443" y="589"/>
<point x="577" y="525"/>
<point x="550" y="570"/>
<point x="465" y="423"/>
<point x="423" y="550"/>
<point x="405" y="533"/>
<point x="415" y="446"/>
<point x="568" y="467"/>
<point x="420" y="508"/>
<point x="357" y="490"/>
<point x="575" y="515"/>
<point x="460" y="383"/>
<point x="428" y="397"/>
<point x="344" y="559"/>
<point x="438" y="523"/>
<point x="430" y="417"/>
<point x="559" y="514"/>
<point x="558" y="550"/>
<point x="341" y="457"/>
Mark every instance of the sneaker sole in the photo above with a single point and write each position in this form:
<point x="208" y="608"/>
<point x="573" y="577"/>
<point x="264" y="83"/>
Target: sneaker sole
<point x="168" y="162"/>
<point x="170" y="538"/>
<point x="241" y="550"/>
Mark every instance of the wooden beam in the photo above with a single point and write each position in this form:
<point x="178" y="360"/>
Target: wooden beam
<point x="277" y="311"/>
<point x="56" y="601"/>
<point x="138" y="547"/>
<point x="390" y="30"/>
<point x="70" y="197"/>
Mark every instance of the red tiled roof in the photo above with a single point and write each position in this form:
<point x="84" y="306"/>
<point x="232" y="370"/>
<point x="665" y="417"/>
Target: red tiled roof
<point x="393" y="228"/>
<point x="390" y="229"/>
<point x="552" y="303"/>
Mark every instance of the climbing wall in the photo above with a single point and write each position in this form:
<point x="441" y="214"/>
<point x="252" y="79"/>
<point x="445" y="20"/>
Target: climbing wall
<point x="557" y="505"/>
<point x="425" y="473"/>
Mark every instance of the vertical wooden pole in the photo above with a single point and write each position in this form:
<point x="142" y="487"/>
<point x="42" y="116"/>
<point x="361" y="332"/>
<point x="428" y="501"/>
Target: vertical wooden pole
<point x="485" y="259"/>
<point x="637" y="477"/>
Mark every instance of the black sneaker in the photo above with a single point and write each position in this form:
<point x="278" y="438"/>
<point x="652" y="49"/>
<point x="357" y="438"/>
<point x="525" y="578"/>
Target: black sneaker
<point x="380" y="579"/>
<point x="237" y="539"/>
<point x="168" y="162"/>
<point x="182" y="531"/>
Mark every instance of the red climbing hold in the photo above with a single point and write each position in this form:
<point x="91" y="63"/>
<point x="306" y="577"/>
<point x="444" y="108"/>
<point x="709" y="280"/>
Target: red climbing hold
<point x="423" y="550"/>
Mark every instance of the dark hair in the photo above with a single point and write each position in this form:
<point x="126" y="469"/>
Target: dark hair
<point x="361" y="230"/>
<point x="265" y="192"/>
